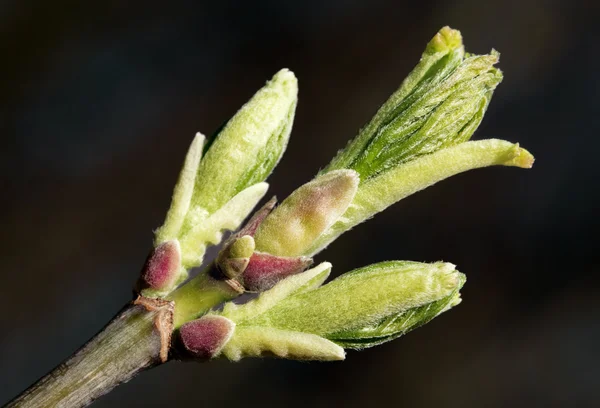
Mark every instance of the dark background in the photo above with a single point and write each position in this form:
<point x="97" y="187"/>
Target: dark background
<point x="99" y="101"/>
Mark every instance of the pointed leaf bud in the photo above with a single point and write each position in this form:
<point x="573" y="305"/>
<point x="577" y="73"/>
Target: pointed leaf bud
<point x="443" y="54"/>
<point x="302" y="217"/>
<point x="297" y="319"/>
<point x="396" y="325"/>
<point x="359" y="298"/>
<point x="440" y="104"/>
<point x="204" y="338"/>
<point x="265" y="270"/>
<point x="221" y="182"/>
<point x="162" y="270"/>
<point x="249" y="146"/>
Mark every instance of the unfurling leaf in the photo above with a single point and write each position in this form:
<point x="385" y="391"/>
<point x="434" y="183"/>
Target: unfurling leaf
<point x="220" y="183"/>
<point x="362" y="308"/>
<point x="440" y="104"/>
<point x="378" y="193"/>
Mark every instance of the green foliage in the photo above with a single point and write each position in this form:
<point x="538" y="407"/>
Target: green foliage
<point x="362" y="308"/>
<point x="221" y="183"/>
<point x="439" y="104"/>
<point x="418" y="137"/>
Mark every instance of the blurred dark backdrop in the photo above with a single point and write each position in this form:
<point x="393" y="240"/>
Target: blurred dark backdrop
<point x="99" y="101"/>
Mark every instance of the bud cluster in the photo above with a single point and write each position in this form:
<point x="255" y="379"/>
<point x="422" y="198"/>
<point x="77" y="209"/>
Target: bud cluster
<point x="418" y="137"/>
<point x="220" y="183"/>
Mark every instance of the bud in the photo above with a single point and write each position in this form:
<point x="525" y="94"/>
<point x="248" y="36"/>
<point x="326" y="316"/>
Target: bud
<point x="440" y="104"/>
<point x="263" y="270"/>
<point x="302" y="217"/>
<point x="162" y="270"/>
<point x="235" y="256"/>
<point x="443" y="54"/>
<point x="297" y="319"/>
<point x="396" y="325"/>
<point x="256" y="271"/>
<point x="359" y="298"/>
<point x="204" y="338"/>
<point x="221" y="182"/>
<point x="249" y="146"/>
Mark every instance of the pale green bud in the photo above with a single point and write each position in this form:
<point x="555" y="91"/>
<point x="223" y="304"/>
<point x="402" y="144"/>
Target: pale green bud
<point x="443" y="53"/>
<point x="234" y="258"/>
<point x="222" y="182"/>
<point x="309" y="211"/>
<point x="249" y="146"/>
<point x="440" y="104"/>
<point x="363" y="297"/>
<point x="297" y="319"/>
<point x="396" y="325"/>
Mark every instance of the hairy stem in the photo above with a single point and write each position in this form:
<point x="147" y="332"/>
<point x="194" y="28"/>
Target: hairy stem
<point x="201" y="293"/>
<point x="136" y="339"/>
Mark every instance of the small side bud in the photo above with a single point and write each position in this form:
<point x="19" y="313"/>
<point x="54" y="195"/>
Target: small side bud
<point x="243" y="247"/>
<point x="302" y="217"/>
<point x="204" y="338"/>
<point x="265" y="270"/>
<point x="162" y="269"/>
<point x="233" y="259"/>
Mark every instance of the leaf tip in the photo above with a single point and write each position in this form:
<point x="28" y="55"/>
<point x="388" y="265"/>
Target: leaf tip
<point x="521" y="158"/>
<point x="447" y="39"/>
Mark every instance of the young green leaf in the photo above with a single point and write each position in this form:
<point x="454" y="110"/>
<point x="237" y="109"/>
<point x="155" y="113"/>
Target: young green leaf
<point x="442" y="54"/>
<point x="299" y="320"/>
<point x="394" y="326"/>
<point x="378" y="193"/>
<point x="440" y="104"/>
<point x="362" y="297"/>
<point x="254" y="341"/>
<point x="220" y="183"/>
<point x="182" y="193"/>
<point x="247" y="148"/>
